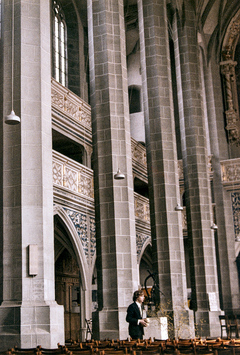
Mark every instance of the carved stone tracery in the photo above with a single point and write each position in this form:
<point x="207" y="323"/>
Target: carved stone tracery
<point x="229" y="79"/>
<point x="68" y="103"/>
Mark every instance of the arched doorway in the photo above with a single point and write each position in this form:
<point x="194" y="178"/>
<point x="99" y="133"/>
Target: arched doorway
<point x="145" y="265"/>
<point x="145" y="271"/>
<point x="73" y="278"/>
<point x="68" y="292"/>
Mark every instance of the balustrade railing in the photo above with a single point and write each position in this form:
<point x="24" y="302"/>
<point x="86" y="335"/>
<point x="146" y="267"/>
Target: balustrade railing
<point x="78" y="179"/>
<point x="231" y="173"/>
<point x="66" y="102"/>
<point x="71" y="175"/>
<point x="138" y="153"/>
<point x="141" y="208"/>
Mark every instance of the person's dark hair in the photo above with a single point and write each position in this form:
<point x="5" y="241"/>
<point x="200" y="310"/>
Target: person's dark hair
<point x="137" y="294"/>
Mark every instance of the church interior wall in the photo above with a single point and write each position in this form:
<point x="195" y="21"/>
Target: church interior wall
<point x="77" y="277"/>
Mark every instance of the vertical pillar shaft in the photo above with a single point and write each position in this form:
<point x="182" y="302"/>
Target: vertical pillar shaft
<point x="229" y="288"/>
<point x="28" y="301"/>
<point x="166" y="226"/>
<point x="115" y="220"/>
<point x="205" y="297"/>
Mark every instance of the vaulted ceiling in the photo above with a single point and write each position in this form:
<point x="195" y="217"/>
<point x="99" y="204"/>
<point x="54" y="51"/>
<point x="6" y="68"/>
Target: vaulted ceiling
<point x="212" y="19"/>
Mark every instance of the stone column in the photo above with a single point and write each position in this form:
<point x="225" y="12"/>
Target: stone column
<point x="114" y="199"/>
<point x="229" y="288"/>
<point x="205" y="297"/>
<point x="29" y="315"/>
<point x="166" y="224"/>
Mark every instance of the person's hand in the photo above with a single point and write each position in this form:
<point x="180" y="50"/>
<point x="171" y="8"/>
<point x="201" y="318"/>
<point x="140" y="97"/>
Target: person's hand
<point x="143" y="322"/>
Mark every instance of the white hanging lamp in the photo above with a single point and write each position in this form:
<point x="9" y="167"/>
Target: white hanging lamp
<point x="12" y="119"/>
<point x="179" y="207"/>
<point x="214" y="227"/>
<point x="119" y="175"/>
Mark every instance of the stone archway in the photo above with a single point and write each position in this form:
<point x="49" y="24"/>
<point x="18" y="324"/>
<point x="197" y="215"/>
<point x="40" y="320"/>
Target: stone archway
<point x="67" y="280"/>
<point x="68" y="292"/>
<point x="145" y="263"/>
<point x="72" y="272"/>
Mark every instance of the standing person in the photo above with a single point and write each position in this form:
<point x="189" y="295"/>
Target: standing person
<point x="134" y="316"/>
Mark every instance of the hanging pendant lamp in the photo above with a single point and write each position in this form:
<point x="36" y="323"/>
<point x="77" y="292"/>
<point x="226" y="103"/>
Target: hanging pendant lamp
<point x="119" y="175"/>
<point x="12" y="119"/>
<point x="179" y="207"/>
<point x="214" y="227"/>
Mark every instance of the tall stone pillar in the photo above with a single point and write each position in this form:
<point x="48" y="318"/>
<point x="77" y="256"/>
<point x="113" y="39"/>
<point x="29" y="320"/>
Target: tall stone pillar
<point x="166" y="224"/>
<point x="114" y="199"/>
<point x="29" y="315"/>
<point x="229" y="288"/>
<point x="205" y="296"/>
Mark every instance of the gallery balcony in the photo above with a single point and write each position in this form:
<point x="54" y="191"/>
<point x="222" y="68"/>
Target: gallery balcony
<point x="73" y="183"/>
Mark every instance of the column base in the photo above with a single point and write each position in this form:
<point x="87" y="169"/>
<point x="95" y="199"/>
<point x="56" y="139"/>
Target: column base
<point x="183" y="324"/>
<point x="207" y="323"/>
<point x="30" y="324"/>
<point x="110" y="324"/>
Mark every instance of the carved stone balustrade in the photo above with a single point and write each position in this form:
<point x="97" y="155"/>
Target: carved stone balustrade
<point x="76" y="179"/>
<point x="231" y="173"/>
<point x="139" y="153"/>
<point x="66" y="102"/>
<point x="72" y="176"/>
<point x="71" y="116"/>
<point x="142" y="212"/>
<point x="139" y="161"/>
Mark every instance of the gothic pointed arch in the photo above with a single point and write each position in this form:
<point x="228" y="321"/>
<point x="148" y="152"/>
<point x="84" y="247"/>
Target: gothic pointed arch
<point x="73" y="243"/>
<point x="145" y="261"/>
<point x="142" y="245"/>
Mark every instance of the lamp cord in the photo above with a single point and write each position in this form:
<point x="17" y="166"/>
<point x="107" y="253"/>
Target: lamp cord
<point x="12" y="49"/>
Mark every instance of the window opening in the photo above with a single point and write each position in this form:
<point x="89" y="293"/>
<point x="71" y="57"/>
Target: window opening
<point x="59" y="44"/>
<point x="141" y="187"/>
<point x="67" y="147"/>
<point x="134" y="99"/>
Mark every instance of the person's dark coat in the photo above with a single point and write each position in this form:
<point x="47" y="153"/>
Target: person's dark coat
<point x="133" y="315"/>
